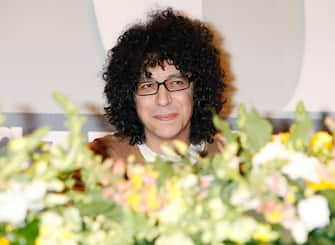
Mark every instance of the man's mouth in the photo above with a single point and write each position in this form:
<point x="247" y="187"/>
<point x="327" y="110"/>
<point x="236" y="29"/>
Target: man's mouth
<point x="166" y="117"/>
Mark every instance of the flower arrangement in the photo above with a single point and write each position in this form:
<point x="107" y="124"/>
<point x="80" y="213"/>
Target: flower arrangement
<point x="258" y="189"/>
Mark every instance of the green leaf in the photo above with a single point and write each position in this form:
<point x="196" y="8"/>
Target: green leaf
<point x="96" y="207"/>
<point x="165" y="170"/>
<point x="320" y="240"/>
<point x="65" y="103"/>
<point x="27" y="234"/>
<point x="302" y="130"/>
<point x="143" y="242"/>
<point x="224" y="127"/>
<point x="330" y="196"/>
<point x="255" y="131"/>
<point x="137" y="225"/>
<point x="18" y="152"/>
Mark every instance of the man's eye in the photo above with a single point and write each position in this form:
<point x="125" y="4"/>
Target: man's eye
<point x="178" y="82"/>
<point x="146" y="85"/>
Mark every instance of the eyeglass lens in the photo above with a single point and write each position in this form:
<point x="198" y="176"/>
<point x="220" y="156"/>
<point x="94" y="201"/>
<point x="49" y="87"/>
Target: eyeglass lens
<point x="151" y="87"/>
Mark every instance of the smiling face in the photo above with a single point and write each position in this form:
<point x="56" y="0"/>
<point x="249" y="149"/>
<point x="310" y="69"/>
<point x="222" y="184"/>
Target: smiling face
<point x="165" y="115"/>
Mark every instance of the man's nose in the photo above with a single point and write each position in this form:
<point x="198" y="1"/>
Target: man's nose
<point x="163" y="97"/>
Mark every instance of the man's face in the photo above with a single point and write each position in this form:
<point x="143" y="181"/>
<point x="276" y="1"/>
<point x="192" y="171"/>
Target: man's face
<point x="165" y="115"/>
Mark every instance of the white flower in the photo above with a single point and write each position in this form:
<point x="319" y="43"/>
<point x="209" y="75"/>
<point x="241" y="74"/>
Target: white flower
<point x="74" y="221"/>
<point x="234" y="163"/>
<point x="217" y="208"/>
<point x="34" y="194"/>
<point x="242" y="230"/>
<point x="54" y="199"/>
<point x="172" y="213"/>
<point x="174" y="238"/>
<point x="18" y="200"/>
<point x="51" y="219"/>
<point x="222" y="230"/>
<point x="189" y="181"/>
<point x="299" y="232"/>
<point x="13" y="207"/>
<point x="299" y="164"/>
<point x="41" y="167"/>
<point x="55" y="229"/>
<point x="277" y="184"/>
<point x="314" y="212"/>
<point x="269" y="152"/>
<point x="241" y="195"/>
<point x="302" y="166"/>
<point x="55" y="186"/>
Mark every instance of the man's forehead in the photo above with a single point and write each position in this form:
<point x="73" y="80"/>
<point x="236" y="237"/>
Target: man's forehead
<point x="163" y="70"/>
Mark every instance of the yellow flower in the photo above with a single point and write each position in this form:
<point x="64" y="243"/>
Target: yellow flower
<point x="264" y="234"/>
<point x="152" y="198"/>
<point x="4" y="241"/>
<point x="274" y="217"/>
<point x="65" y="234"/>
<point x="134" y="200"/>
<point x="321" y="141"/>
<point x="152" y="173"/>
<point x="291" y="198"/>
<point x="38" y="241"/>
<point x="137" y="181"/>
<point x="281" y="137"/>
<point x="173" y="191"/>
<point x="322" y="185"/>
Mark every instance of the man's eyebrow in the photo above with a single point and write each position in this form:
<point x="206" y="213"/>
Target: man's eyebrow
<point x="174" y="75"/>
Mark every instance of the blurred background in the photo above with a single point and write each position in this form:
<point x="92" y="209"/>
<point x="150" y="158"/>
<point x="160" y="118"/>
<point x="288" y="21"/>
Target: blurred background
<point x="276" y="52"/>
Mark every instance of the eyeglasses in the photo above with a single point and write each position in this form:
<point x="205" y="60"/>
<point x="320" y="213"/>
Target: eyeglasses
<point x="171" y="85"/>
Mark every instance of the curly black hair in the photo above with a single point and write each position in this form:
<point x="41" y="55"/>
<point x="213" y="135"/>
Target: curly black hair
<point x="167" y="36"/>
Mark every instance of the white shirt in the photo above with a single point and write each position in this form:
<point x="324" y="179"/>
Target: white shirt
<point x="150" y="156"/>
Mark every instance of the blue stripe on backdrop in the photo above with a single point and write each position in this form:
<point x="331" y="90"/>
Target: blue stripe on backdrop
<point x="27" y="122"/>
<point x="55" y="121"/>
<point x="18" y="124"/>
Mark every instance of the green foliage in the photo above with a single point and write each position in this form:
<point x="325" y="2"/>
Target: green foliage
<point x="224" y="127"/>
<point x="25" y="235"/>
<point x="302" y="130"/>
<point x="226" y="198"/>
<point x="100" y="206"/>
<point x="255" y="131"/>
<point x="165" y="169"/>
<point x="330" y="196"/>
<point x="19" y="152"/>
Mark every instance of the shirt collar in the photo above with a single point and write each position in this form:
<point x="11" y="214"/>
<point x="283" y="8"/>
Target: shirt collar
<point x="150" y="156"/>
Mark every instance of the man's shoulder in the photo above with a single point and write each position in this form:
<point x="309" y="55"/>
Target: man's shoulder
<point x="108" y="141"/>
<point x="111" y="139"/>
<point x="113" y="146"/>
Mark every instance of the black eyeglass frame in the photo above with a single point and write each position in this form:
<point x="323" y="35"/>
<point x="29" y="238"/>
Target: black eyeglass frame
<point x="163" y="83"/>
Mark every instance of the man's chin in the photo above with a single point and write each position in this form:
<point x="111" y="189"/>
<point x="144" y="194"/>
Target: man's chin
<point x="166" y="133"/>
<point x="170" y="136"/>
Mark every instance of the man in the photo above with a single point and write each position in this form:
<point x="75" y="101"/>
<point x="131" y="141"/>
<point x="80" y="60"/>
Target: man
<point x="163" y="81"/>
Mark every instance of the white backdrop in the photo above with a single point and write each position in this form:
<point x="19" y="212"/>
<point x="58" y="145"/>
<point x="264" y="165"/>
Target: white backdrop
<point x="317" y="79"/>
<point x="280" y="51"/>
<point x="113" y="19"/>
